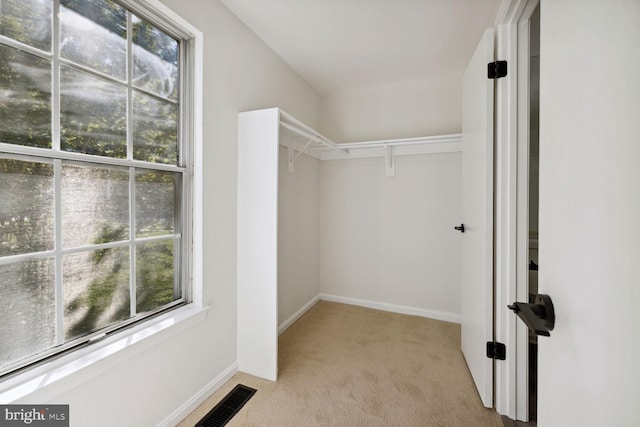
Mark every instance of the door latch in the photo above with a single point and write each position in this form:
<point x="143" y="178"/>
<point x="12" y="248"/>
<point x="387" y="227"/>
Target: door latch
<point x="460" y="228"/>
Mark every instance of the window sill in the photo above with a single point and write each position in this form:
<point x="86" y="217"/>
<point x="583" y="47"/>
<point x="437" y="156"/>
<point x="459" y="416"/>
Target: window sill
<point x="65" y="371"/>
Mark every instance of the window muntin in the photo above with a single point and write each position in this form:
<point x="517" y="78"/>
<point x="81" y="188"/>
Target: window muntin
<point x="108" y="245"/>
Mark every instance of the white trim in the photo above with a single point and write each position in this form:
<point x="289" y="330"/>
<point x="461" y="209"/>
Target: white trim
<point x="85" y="248"/>
<point x="511" y="387"/>
<point x="110" y="351"/>
<point x="197" y="399"/>
<point x="394" y="308"/>
<point x="298" y="314"/>
<point x="503" y="11"/>
<point x="57" y="215"/>
<point x="129" y="342"/>
<point x="197" y="203"/>
<point x="521" y="181"/>
<point x="520" y="263"/>
<point x="505" y="321"/>
<point x="510" y="11"/>
<point x="55" y="78"/>
<point x="86" y="159"/>
<point x="157" y="13"/>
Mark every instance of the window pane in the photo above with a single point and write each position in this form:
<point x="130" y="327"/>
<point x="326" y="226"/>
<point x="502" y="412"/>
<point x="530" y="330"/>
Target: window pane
<point x="96" y="290"/>
<point x="78" y="253"/>
<point x="93" y="33"/>
<point x="95" y="205"/>
<point x="26" y="207"/>
<point x="155" y="275"/>
<point x="92" y="115"/>
<point x="155" y="130"/>
<point x="155" y="59"/>
<point x="28" y="21"/>
<point x="25" y="98"/>
<point x="155" y="203"/>
<point x="27" y="316"/>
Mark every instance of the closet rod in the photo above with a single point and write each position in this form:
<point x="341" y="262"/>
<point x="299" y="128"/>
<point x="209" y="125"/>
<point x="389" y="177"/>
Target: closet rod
<point x="301" y="132"/>
<point x="304" y="130"/>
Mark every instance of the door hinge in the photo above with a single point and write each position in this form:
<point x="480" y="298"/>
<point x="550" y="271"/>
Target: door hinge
<point x="496" y="350"/>
<point x="497" y="69"/>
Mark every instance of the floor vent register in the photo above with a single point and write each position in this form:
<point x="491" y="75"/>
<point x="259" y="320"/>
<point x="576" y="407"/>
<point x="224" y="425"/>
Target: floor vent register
<point x="227" y="407"/>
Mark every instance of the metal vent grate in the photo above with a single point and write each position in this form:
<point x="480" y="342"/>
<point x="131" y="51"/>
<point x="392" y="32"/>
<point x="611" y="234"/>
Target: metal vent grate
<point x="227" y="407"/>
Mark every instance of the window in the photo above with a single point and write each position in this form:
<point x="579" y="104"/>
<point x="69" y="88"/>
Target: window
<point x="95" y="172"/>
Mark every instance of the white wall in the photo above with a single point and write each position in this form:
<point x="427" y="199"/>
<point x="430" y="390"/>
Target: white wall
<point x="423" y="107"/>
<point x="298" y="233"/>
<point x="391" y="240"/>
<point x="241" y="73"/>
<point x="589" y="206"/>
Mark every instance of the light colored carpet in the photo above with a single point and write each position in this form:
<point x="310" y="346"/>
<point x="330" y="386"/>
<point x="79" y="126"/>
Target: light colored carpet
<point x="342" y="365"/>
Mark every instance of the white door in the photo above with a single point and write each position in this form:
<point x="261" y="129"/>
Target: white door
<point x="477" y="193"/>
<point x="589" y="243"/>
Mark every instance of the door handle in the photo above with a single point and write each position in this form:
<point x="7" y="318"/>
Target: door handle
<point x="539" y="316"/>
<point x="460" y="228"/>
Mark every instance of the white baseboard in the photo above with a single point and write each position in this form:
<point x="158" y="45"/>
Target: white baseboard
<point x="190" y="405"/>
<point x="298" y="314"/>
<point x="402" y="309"/>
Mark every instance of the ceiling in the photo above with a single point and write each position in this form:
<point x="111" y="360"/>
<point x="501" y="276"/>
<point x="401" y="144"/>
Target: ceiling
<point x="342" y="44"/>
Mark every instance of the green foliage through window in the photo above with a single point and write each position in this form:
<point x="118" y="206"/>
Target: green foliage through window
<point x="90" y="238"/>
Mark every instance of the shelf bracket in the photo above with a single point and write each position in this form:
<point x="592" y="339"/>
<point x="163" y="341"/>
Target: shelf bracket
<point x="293" y="156"/>
<point x="389" y="162"/>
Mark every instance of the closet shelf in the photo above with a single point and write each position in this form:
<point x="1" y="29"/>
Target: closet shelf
<point x="301" y="138"/>
<point x="290" y="123"/>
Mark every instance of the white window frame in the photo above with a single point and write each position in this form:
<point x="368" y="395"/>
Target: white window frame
<point x="111" y="349"/>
